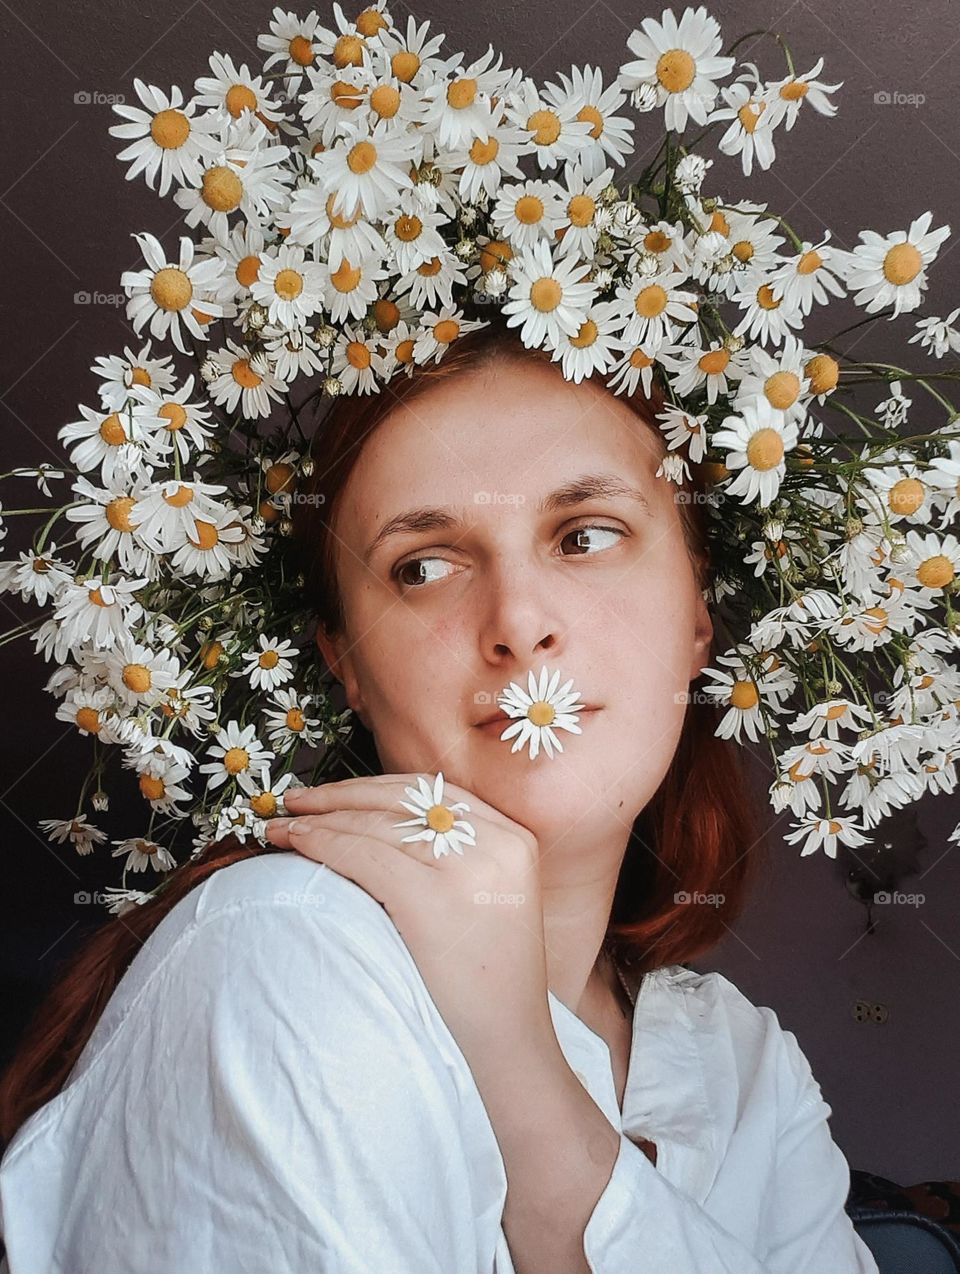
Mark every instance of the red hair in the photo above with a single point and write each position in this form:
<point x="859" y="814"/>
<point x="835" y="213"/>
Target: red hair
<point x="698" y="835"/>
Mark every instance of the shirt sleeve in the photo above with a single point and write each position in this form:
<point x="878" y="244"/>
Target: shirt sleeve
<point x="643" y="1222"/>
<point x="285" y="1115"/>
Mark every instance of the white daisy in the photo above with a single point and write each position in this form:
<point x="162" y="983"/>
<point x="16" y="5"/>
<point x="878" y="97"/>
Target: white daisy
<point x="635" y="367"/>
<point x="551" y="125"/>
<point x="366" y="169"/>
<point x="578" y="226"/>
<point x="95" y="611"/>
<point x="247" y="177"/>
<point x="830" y="716"/>
<point x="81" y="834"/>
<point x="210" y="546"/>
<point x="548" y="298"/>
<point x="108" y="525"/>
<point x="229" y="92"/>
<point x="357" y="362"/>
<point x="288" y="285"/>
<point x="169" y="137"/>
<point x="413" y="233"/>
<point x="142" y="853"/>
<point x="742" y="691"/>
<point x="808" y="276"/>
<point x="891" y="270"/>
<point x="439" y="330"/>
<point x="682" y="428"/>
<point x="166" y="293"/>
<point x="611" y="135"/>
<point x="824" y="833"/>
<point x="244" y="377"/>
<point x="160" y="784"/>
<point x="653" y="304"/>
<point x="35" y="576"/>
<point x="715" y="367"/>
<point x="270" y="666"/>
<point x="750" y="134"/>
<point x="439" y="823"/>
<point x="767" y="318"/>
<point x="185" y="423"/>
<point x="458" y="110"/>
<point x="543" y="708"/>
<point x="938" y="336"/>
<point x="293" y="352"/>
<point x="289" y="723"/>
<point x="236" y="751"/>
<point x="166" y="512"/>
<point x="781" y="379"/>
<point x="753" y="242"/>
<point x="756" y="443"/>
<point x="265" y="794"/>
<point x="118" y="442"/>
<point x="431" y="283"/>
<point x="289" y="42"/>
<point x="931" y="560"/>
<point x="412" y="55"/>
<point x="595" y="347"/>
<point x="351" y="287"/>
<point x="528" y="211"/>
<point x="121" y="374"/>
<point x="792" y="91"/>
<point x="679" y="62"/>
<point x="488" y="159"/>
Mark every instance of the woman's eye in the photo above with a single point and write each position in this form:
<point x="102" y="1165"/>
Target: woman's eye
<point x="420" y="576"/>
<point x="582" y="530"/>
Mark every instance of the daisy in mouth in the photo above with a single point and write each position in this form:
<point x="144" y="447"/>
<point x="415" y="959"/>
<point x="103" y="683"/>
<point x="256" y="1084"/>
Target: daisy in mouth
<point x="542" y="708"/>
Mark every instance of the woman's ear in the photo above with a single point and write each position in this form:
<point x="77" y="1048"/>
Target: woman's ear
<point x="702" y="637"/>
<point x="340" y="664"/>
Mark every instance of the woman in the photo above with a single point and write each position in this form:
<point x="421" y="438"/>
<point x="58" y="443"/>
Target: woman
<point x="357" y="1057"/>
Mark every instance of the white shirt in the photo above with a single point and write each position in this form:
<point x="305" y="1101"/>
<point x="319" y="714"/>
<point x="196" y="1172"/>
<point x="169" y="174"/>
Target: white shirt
<point x="271" y="1088"/>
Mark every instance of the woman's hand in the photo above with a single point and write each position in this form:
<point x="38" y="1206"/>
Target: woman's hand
<point x="473" y="923"/>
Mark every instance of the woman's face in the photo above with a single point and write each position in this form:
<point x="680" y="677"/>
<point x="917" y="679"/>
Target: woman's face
<point x="440" y="620"/>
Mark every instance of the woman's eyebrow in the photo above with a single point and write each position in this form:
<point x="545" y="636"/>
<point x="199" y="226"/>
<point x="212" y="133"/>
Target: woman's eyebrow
<point x="588" y="486"/>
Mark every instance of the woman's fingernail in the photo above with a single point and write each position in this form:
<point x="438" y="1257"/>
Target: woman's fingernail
<point x="294" y="827"/>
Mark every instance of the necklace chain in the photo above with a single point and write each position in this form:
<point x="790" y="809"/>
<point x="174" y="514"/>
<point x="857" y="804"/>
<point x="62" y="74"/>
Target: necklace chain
<point x="623" y="981"/>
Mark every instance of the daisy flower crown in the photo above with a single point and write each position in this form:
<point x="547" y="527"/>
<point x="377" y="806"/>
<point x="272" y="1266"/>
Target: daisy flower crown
<point x="355" y="207"/>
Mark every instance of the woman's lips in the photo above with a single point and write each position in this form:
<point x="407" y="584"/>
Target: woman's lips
<point x="499" y="724"/>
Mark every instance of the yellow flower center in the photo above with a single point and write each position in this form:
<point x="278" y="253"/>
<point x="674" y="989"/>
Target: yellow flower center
<point x="749" y="114"/>
<point x="136" y="677"/>
<point x="439" y="818"/>
<point x="358" y="354"/>
<point x="295" y="720"/>
<point x="408" y="228"/>
<point x="264" y="804"/>
<point x="935" y="572"/>
<point x="240" y="97"/>
<point x="346" y="277"/>
<point x="221" y="188"/>
<point x="248" y="269"/>
<point x="385" y="101"/>
<point x="495" y="255"/>
<point x="586" y="336"/>
<point x="794" y="90"/>
<point x="656" y="241"/>
<point x="171" y="289"/>
<point x="580" y="210"/>
<point x="244" y="374"/>
<point x="112" y="431"/>
<point x="639" y="359"/>
<point x="174" y="414"/>
<point x="236" y="760"/>
<point x="676" y="70"/>
<point x="405" y="64"/>
<point x="528" y="209"/>
<point x="170" y="129"/>
<point x="907" y="495"/>
<point x="117" y="513"/>
<point x="348" y="51"/>
<point x="288" y="284"/>
<point x="765" y="298"/>
<point x="386" y="313"/>
<point x="824" y="373"/>
<point x="546" y="294"/>
<point x="269" y="659"/>
<point x="210" y="653"/>
<point x="545" y="126"/>
<point x="809" y="262"/>
<point x="651" y="301"/>
<point x="715" y="362"/>
<point x="279" y="477"/>
<point x="300" y="50"/>
<point x="743" y="695"/>
<point x="880" y="615"/>
<point x="765" y="449"/>
<point x="541" y="713"/>
<point x="461" y="93"/>
<point x="743" y="250"/>
<point x="140" y="376"/>
<point x="484" y="151"/>
<point x="180" y="498"/>
<point x="782" y="389"/>
<point x="362" y="157"/>
<point x="207" y="535"/>
<point x="590" y="115"/>
<point x="152" y="788"/>
<point x="446" y="330"/>
<point x="88" y="719"/>
<point x="345" y="95"/>
<point x="902" y="264"/>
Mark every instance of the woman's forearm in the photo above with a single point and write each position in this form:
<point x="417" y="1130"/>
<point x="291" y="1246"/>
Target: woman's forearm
<point x="558" y="1150"/>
